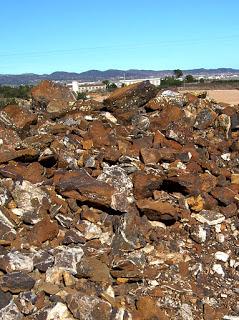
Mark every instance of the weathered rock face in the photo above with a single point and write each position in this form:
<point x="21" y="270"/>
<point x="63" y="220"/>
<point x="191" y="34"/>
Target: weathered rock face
<point x="94" y="269"/>
<point x="53" y="96"/>
<point x="42" y="231"/>
<point x="158" y="210"/>
<point x="81" y="186"/>
<point x="8" y="309"/>
<point x="130" y="97"/>
<point x="8" y="138"/>
<point x="87" y="307"/>
<point x="17" y="118"/>
<point x="48" y="91"/>
<point x="122" y="210"/>
<point x="7" y="225"/>
<point x="16" y="282"/>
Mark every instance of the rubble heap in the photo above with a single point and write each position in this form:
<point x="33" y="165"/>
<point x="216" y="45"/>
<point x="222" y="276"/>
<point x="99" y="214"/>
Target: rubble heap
<point x="126" y="209"/>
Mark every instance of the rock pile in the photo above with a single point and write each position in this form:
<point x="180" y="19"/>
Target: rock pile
<point x="126" y="209"/>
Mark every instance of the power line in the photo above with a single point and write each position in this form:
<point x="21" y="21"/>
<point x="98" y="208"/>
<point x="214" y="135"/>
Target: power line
<point x="180" y="42"/>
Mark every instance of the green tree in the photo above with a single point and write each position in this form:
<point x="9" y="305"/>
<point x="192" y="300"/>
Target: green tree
<point x="81" y="96"/>
<point x="189" y="78"/>
<point x="106" y="82"/>
<point x="168" y="82"/>
<point x="178" y="73"/>
<point x="22" y="92"/>
<point x="110" y="86"/>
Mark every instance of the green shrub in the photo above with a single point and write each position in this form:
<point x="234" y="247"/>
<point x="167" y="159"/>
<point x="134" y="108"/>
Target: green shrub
<point x="170" y="82"/>
<point x="81" y="96"/>
<point x="21" y="92"/>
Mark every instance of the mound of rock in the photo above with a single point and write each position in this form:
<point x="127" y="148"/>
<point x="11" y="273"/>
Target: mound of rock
<point x="125" y="209"/>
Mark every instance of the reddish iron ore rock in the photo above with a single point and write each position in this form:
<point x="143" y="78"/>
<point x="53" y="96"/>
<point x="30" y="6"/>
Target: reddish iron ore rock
<point x="42" y="231"/>
<point x="33" y="172"/>
<point x="145" y="184"/>
<point x="205" y="119"/>
<point x="147" y="309"/>
<point x="17" y="118"/>
<point x="158" y="210"/>
<point x="28" y="154"/>
<point x="47" y="91"/>
<point x="93" y="269"/>
<point x="99" y="134"/>
<point x="126" y="209"/>
<point x="132" y="96"/>
<point x="7" y="225"/>
<point x="226" y="195"/>
<point x="9" y="138"/>
<point x="191" y="183"/>
<point x="80" y="185"/>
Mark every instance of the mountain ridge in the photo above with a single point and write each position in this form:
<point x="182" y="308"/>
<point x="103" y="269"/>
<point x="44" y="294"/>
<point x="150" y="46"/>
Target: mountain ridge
<point x="98" y="75"/>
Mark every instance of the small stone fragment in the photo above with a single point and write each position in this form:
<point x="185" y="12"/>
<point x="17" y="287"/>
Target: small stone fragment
<point x="209" y="217"/>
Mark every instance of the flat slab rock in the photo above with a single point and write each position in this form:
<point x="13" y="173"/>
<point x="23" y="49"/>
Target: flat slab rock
<point x="80" y="185"/>
<point x="132" y="96"/>
<point x="16" y="282"/>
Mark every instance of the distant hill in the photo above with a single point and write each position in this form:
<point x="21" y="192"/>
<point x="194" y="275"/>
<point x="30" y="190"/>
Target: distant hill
<point x="96" y="75"/>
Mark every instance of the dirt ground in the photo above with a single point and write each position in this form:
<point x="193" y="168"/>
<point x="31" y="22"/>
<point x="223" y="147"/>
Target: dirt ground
<point x="225" y="96"/>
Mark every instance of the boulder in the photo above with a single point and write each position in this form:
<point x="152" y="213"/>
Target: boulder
<point x="130" y="97"/>
<point x="17" y="117"/>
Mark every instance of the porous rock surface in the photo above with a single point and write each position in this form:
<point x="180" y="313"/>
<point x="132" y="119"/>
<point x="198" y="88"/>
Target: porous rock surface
<point x="126" y="209"/>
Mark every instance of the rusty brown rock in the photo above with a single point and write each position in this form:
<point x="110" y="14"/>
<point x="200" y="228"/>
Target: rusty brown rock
<point x="150" y="155"/>
<point x="33" y="172"/>
<point x="168" y="115"/>
<point x="125" y="215"/>
<point x="81" y="305"/>
<point x="24" y="154"/>
<point x="148" y="309"/>
<point x="80" y="185"/>
<point x="132" y="96"/>
<point x="17" y="117"/>
<point x="93" y="269"/>
<point x="42" y="231"/>
<point x="99" y="134"/>
<point x="145" y="184"/>
<point x="7" y="226"/>
<point x="9" y="138"/>
<point x="191" y="183"/>
<point x="161" y="141"/>
<point x="205" y="119"/>
<point x="158" y="210"/>
<point x="88" y="106"/>
<point x="227" y="194"/>
<point x="47" y="91"/>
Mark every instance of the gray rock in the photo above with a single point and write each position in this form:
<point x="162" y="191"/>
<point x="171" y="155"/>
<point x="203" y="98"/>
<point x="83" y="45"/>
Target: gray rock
<point x="86" y="307"/>
<point x="16" y="282"/>
<point x="117" y="178"/>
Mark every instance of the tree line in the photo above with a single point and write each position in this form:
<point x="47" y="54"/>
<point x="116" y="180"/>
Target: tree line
<point x="21" y="92"/>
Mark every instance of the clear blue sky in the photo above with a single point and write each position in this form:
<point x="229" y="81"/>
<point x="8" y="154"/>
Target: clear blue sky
<point x="75" y="35"/>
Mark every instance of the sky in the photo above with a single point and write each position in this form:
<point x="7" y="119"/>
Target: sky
<point x="75" y="35"/>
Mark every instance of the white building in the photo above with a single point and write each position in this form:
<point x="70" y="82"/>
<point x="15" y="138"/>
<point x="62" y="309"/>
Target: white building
<point x="86" y="86"/>
<point x="154" y="81"/>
